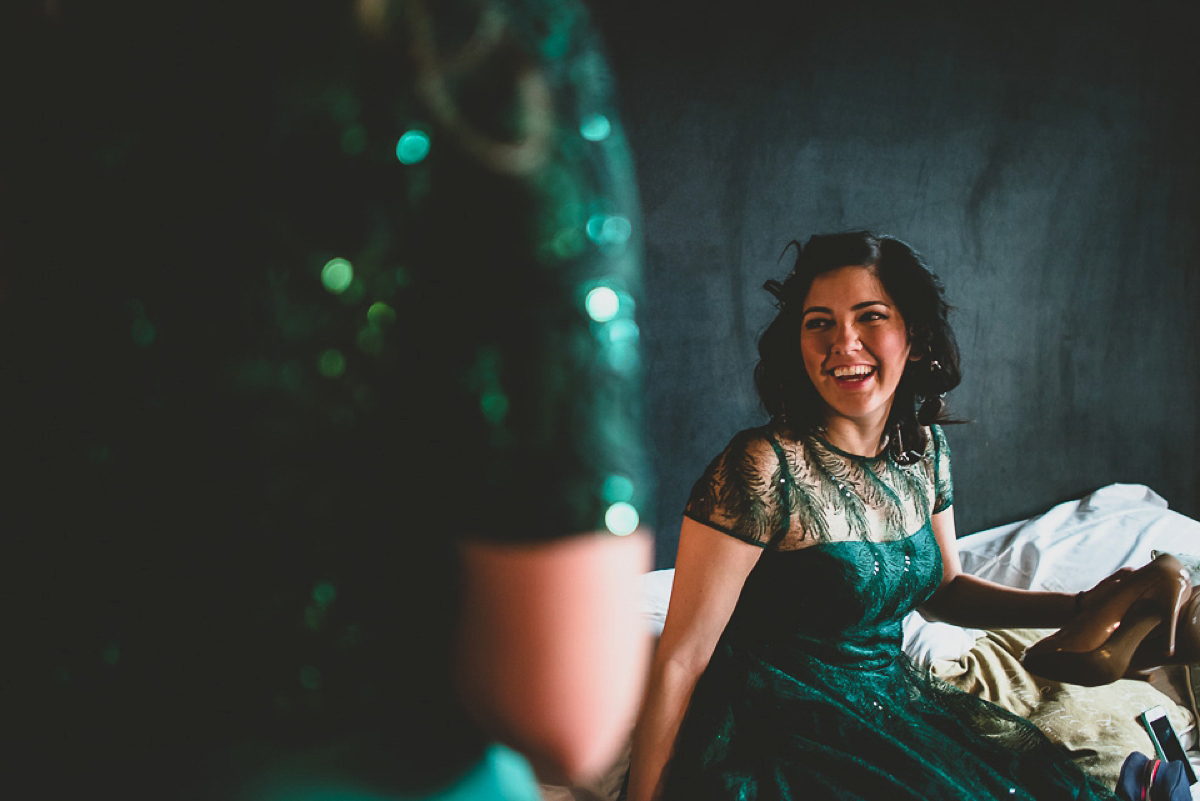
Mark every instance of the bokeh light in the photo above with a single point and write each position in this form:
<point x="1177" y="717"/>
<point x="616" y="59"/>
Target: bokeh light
<point x="596" y="128"/>
<point x="324" y="593"/>
<point x="622" y="331"/>
<point x="413" y="147"/>
<point x="617" y="489"/>
<point x="337" y="275"/>
<point x="494" y="405"/>
<point x="381" y="314"/>
<point x="620" y="338"/>
<point x="609" y="229"/>
<point x="621" y="518"/>
<point x="602" y="304"/>
<point x="331" y="363"/>
<point x="370" y="340"/>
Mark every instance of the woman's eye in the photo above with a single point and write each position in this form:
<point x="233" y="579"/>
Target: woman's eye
<point x="872" y="316"/>
<point x="815" y="324"/>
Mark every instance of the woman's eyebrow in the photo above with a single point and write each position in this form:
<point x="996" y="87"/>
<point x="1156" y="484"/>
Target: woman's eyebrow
<point x="855" y="307"/>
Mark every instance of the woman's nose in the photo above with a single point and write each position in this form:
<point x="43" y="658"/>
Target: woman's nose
<point x="845" y="340"/>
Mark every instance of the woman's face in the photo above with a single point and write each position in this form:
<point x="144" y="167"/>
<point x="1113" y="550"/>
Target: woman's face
<point x="855" y="344"/>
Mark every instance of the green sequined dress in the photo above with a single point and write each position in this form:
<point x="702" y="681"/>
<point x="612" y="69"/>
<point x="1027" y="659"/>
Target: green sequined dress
<point x="808" y="694"/>
<point x="309" y="292"/>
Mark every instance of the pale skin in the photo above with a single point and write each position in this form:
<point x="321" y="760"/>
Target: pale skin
<point x="553" y="649"/>
<point x="854" y="345"/>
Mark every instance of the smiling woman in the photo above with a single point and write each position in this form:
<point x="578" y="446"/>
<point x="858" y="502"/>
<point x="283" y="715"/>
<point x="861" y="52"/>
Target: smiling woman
<point x="868" y="307"/>
<point x="855" y="347"/>
<point x="803" y="546"/>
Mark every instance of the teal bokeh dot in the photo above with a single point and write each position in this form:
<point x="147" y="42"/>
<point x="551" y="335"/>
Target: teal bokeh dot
<point x="596" y="128"/>
<point x="609" y="229"/>
<point x="617" y="489"/>
<point x="337" y="275"/>
<point x="602" y="304"/>
<point x="621" y="518"/>
<point x="495" y="406"/>
<point x="380" y="314"/>
<point x="413" y="147"/>
<point x="331" y="363"/>
<point x="324" y="593"/>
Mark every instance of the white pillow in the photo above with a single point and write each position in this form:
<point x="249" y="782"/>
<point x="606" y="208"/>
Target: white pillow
<point x="656" y="594"/>
<point x="1078" y="543"/>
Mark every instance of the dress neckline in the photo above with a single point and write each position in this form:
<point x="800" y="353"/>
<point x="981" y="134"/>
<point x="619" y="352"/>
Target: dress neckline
<point x="883" y="453"/>
<point x="784" y="432"/>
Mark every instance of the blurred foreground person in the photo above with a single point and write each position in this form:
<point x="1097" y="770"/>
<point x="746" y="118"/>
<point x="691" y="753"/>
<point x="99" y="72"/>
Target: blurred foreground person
<point x="322" y="402"/>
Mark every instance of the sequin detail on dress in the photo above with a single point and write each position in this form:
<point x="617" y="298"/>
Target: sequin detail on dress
<point x="808" y="694"/>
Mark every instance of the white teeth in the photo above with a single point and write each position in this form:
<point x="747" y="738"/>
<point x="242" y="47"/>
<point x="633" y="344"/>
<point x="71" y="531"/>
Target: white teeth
<point x="852" y="370"/>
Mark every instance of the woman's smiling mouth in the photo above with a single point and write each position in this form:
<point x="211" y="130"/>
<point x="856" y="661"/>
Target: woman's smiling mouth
<point x="852" y="374"/>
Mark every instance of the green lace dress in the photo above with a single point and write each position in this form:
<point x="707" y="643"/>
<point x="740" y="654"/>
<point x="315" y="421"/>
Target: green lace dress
<point x="808" y="694"/>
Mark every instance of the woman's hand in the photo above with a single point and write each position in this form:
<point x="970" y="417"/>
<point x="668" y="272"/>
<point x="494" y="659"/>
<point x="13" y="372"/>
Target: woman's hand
<point x="1097" y="595"/>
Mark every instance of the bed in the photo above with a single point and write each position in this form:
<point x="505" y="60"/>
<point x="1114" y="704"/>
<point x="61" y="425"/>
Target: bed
<point x="1068" y="548"/>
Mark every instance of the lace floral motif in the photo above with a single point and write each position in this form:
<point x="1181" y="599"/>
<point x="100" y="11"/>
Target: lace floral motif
<point x="769" y="488"/>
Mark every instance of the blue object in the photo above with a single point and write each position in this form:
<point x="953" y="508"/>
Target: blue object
<point x="1146" y="778"/>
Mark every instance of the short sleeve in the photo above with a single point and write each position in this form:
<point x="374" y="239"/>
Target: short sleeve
<point x="943" y="484"/>
<point x="742" y="491"/>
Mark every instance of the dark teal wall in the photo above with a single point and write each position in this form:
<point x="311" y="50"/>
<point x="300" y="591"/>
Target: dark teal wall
<point x="1043" y="156"/>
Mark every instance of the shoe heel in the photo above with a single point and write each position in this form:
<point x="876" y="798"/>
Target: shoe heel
<point x="1170" y="595"/>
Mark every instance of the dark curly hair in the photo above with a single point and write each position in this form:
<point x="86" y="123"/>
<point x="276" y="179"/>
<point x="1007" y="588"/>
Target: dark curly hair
<point x="783" y="385"/>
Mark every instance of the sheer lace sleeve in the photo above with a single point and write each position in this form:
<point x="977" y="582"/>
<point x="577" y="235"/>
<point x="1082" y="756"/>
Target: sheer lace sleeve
<point x="741" y="491"/>
<point x="943" y="485"/>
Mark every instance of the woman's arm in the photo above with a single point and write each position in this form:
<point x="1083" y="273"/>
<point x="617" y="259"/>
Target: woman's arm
<point x="710" y="569"/>
<point x="553" y="647"/>
<point x="966" y="600"/>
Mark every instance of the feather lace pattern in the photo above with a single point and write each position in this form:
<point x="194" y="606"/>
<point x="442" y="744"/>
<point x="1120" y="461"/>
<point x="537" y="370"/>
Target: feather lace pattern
<point x="769" y="488"/>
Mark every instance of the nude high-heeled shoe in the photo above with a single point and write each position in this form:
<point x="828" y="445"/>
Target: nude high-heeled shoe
<point x="1153" y="650"/>
<point x="1098" y="645"/>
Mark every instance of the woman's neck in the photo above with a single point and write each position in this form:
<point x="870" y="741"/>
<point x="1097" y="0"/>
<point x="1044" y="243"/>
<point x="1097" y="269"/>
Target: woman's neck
<point x="861" y="438"/>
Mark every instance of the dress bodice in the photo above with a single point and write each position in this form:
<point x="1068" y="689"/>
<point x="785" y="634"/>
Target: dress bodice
<point x="840" y="602"/>
<point x="848" y="539"/>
